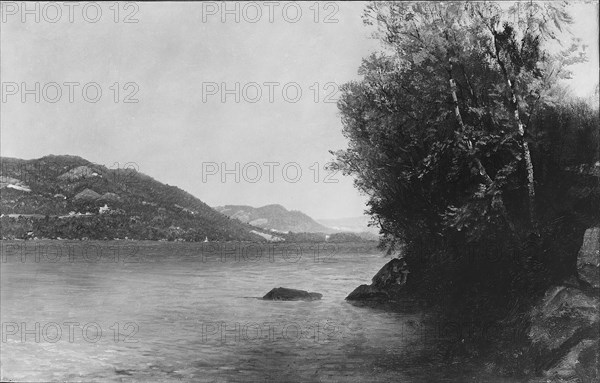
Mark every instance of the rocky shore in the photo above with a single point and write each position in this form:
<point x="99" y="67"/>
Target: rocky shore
<point x="564" y="325"/>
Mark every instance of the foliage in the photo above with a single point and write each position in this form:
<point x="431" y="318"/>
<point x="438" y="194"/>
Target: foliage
<point x="439" y="128"/>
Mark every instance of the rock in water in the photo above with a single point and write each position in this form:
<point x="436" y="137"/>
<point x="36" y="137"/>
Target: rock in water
<point x="588" y="260"/>
<point x="367" y="293"/>
<point x="385" y="284"/>
<point x="285" y="294"/>
<point x="393" y="273"/>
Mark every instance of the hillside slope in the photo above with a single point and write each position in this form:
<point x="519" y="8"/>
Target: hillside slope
<point x="70" y="197"/>
<point x="358" y="224"/>
<point x="274" y="217"/>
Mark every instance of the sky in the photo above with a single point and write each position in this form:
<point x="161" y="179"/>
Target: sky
<point x="155" y="85"/>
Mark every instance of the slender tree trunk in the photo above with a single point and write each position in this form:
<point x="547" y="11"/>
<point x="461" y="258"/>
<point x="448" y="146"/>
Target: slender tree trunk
<point x="481" y="168"/>
<point x="521" y="131"/>
<point x="458" y="116"/>
<point x="528" y="162"/>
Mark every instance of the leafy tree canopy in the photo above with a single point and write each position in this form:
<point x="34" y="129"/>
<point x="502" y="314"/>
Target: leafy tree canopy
<point x="448" y="132"/>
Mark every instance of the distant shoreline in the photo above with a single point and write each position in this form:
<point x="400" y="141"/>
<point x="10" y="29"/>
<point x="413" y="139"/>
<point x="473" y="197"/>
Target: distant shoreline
<point x="139" y="251"/>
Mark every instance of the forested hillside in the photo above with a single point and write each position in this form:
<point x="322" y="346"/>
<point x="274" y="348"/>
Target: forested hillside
<point x="70" y="197"/>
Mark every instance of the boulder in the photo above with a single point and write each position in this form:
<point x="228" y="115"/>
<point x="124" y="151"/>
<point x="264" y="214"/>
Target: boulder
<point x="393" y="273"/>
<point x="562" y="312"/>
<point x="285" y="294"/>
<point x="388" y="281"/>
<point x="367" y="293"/>
<point x="588" y="260"/>
<point x="579" y="363"/>
<point x="564" y="325"/>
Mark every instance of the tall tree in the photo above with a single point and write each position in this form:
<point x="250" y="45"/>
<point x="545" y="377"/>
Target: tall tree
<point x="436" y="128"/>
<point x="514" y="45"/>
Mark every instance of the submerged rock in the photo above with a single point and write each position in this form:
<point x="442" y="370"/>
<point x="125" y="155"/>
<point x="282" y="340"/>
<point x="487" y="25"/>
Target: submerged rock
<point x="285" y="294"/>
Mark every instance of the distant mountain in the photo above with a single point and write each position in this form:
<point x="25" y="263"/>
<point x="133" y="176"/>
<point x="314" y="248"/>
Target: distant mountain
<point x="72" y="198"/>
<point x="275" y="218"/>
<point x="358" y="224"/>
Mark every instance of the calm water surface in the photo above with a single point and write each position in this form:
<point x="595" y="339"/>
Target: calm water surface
<point x="186" y="312"/>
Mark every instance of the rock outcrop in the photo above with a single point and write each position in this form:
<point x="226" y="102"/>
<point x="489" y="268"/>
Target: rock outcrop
<point x="565" y="324"/>
<point x="368" y="293"/>
<point x="562" y="312"/>
<point x="285" y="294"/>
<point x="78" y="173"/>
<point x="389" y="280"/>
<point x="588" y="261"/>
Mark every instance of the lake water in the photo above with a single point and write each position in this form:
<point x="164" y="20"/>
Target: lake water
<point x="148" y="311"/>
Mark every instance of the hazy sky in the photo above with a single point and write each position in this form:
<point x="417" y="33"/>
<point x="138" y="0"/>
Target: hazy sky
<point x="176" y="61"/>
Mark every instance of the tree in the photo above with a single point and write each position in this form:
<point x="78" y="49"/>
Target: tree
<point x="518" y="56"/>
<point x="442" y="126"/>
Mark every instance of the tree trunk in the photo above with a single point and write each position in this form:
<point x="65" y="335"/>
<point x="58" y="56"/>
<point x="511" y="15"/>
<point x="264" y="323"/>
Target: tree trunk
<point x="482" y="171"/>
<point x="521" y="131"/>
<point x="481" y="168"/>
<point x="528" y="162"/>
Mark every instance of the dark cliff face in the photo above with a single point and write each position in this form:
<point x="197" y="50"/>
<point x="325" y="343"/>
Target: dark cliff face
<point x="134" y="205"/>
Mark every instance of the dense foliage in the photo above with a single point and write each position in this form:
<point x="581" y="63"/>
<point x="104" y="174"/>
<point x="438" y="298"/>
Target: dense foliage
<point x="475" y="166"/>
